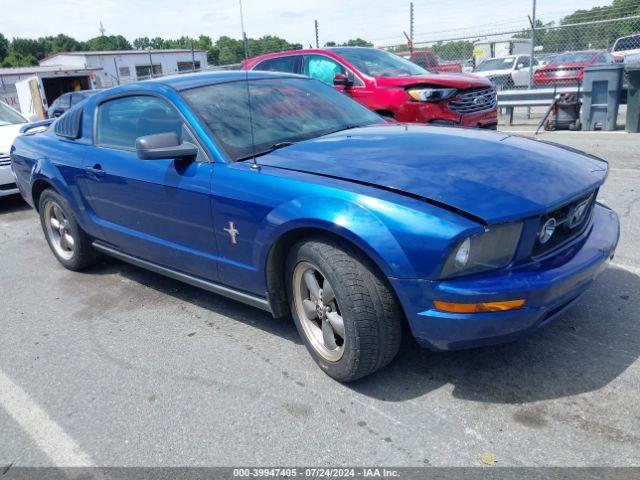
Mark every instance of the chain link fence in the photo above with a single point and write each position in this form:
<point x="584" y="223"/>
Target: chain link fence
<point x="558" y="53"/>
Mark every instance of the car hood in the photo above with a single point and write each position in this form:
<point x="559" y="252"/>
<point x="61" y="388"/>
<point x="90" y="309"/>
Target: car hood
<point x="456" y="80"/>
<point x="7" y="134"/>
<point x="493" y="176"/>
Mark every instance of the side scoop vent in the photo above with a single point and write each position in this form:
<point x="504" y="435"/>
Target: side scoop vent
<point x="69" y="124"/>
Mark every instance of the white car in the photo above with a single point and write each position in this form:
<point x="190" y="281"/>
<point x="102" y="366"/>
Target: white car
<point x="10" y="123"/>
<point x="628" y="47"/>
<point x="506" y="72"/>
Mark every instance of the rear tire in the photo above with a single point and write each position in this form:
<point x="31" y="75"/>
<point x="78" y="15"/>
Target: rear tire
<point x="355" y="326"/>
<point x="68" y="242"/>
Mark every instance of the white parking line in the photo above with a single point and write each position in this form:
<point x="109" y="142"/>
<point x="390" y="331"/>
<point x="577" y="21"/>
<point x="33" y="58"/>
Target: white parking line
<point x="61" y="449"/>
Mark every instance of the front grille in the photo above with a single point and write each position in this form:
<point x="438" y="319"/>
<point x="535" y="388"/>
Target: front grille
<point x="474" y="100"/>
<point x="4" y="160"/>
<point x="569" y="224"/>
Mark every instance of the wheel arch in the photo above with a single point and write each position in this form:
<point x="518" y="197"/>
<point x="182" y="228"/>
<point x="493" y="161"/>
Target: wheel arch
<point x="39" y="186"/>
<point x="277" y="256"/>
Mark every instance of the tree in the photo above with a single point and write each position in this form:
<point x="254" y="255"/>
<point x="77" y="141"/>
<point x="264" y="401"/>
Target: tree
<point x="60" y="43"/>
<point x="4" y="47"/>
<point x="107" y="42"/>
<point x="357" y="42"/>
<point x="26" y="47"/>
<point x="17" y="59"/>
<point x="141" y="43"/>
<point x="354" y="42"/>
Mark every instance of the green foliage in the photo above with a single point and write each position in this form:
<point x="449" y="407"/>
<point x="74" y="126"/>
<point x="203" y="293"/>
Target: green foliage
<point x="4" y="47"/>
<point x="107" y="42"/>
<point x="17" y="59"/>
<point x="582" y="37"/>
<point x="353" y="42"/>
<point x="457" y="50"/>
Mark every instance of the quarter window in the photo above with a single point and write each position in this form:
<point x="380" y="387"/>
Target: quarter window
<point x="121" y="121"/>
<point x="322" y="68"/>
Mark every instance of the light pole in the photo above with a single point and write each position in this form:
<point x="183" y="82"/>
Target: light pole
<point x="533" y="43"/>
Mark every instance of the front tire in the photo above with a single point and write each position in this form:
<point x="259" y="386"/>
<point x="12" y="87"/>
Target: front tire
<point x="70" y="245"/>
<point x="346" y="314"/>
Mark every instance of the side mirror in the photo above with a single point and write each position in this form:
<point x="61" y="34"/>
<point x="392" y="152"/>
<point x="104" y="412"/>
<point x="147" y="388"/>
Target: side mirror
<point x="164" y="146"/>
<point x="341" y="79"/>
<point x="520" y="66"/>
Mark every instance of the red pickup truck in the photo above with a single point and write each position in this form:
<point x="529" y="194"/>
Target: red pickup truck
<point x="428" y="60"/>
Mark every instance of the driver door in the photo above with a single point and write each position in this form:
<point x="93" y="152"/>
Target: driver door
<point x="158" y="210"/>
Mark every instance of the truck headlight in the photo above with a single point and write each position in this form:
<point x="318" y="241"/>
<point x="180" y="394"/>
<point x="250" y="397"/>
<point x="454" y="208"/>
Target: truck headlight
<point x="489" y="250"/>
<point x="433" y="95"/>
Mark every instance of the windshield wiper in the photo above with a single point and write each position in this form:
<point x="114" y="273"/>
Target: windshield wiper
<point x="272" y="148"/>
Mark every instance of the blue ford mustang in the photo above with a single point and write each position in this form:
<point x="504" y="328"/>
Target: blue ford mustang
<point x="280" y="192"/>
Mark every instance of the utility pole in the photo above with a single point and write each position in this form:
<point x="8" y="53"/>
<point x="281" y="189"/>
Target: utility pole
<point x="317" y="36"/>
<point x="411" y="27"/>
<point x="115" y="66"/>
<point x="533" y="42"/>
<point x="193" y="57"/>
<point x="102" y="30"/>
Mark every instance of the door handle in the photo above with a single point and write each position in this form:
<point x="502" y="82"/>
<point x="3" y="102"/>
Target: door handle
<point x="96" y="171"/>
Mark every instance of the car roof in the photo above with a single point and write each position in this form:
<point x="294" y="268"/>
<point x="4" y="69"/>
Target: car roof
<point x="201" y="79"/>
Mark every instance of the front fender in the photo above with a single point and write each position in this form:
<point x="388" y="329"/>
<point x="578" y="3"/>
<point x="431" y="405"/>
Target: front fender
<point x="343" y="218"/>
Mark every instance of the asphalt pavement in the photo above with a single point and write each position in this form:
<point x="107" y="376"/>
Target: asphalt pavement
<point x="117" y="366"/>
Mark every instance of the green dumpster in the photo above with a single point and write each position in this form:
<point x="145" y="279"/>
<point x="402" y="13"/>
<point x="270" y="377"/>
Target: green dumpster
<point x="633" y="99"/>
<point x="602" y="85"/>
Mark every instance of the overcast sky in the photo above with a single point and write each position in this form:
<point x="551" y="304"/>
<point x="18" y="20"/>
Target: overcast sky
<point x="381" y="21"/>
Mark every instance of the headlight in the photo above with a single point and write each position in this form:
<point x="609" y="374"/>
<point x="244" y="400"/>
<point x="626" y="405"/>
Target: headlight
<point x="431" y="94"/>
<point x="489" y="250"/>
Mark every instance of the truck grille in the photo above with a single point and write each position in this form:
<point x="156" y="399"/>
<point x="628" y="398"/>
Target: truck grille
<point x="474" y="100"/>
<point x="4" y="160"/>
<point x="571" y="220"/>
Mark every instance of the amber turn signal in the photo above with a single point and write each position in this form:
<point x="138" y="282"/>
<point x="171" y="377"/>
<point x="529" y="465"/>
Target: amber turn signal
<point x="479" y="307"/>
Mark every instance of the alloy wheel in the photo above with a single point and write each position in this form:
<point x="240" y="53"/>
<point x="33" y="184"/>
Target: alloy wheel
<point x="318" y="310"/>
<point x="58" y="230"/>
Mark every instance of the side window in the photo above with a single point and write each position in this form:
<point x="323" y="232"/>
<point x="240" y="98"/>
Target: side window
<point x="121" y="121"/>
<point x="524" y="61"/>
<point x="286" y="64"/>
<point x="322" y="68"/>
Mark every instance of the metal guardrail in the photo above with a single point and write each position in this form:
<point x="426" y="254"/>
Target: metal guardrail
<point x="538" y="97"/>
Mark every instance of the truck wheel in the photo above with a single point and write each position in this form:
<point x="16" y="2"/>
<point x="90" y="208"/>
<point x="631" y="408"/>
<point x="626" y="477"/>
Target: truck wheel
<point x="347" y="316"/>
<point x="71" y="246"/>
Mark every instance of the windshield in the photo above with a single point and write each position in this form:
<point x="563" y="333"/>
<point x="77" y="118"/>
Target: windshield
<point x="496" y="64"/>
<point x="378" y="63"/>
<point x="283" y="110"/>
<point x="578" y="57"/>
<point x="9" y="116"/>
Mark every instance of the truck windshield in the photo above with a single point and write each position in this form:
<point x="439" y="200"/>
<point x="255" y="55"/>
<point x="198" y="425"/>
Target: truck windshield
<point x="378" y="63"/>
<point x="496" y="64"/>
<point x="9" y="116"/>
<point x="282" y="111"/>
